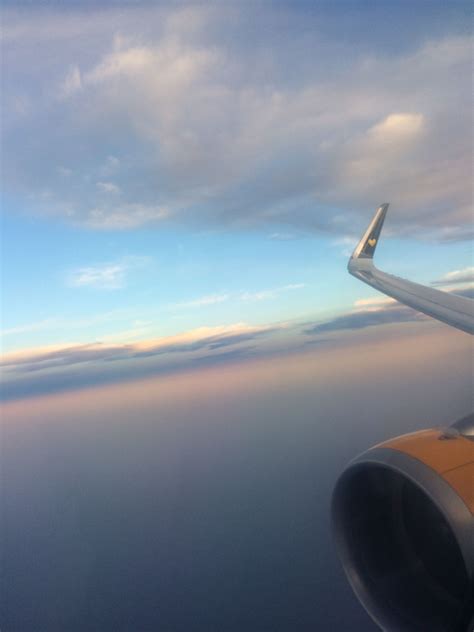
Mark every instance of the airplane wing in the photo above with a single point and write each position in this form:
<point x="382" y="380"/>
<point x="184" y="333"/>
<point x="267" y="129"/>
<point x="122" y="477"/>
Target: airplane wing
<point x="457" y="311"/>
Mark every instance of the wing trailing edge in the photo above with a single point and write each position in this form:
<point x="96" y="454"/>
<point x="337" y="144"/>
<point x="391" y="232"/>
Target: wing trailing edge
<point x="451" y="309"/>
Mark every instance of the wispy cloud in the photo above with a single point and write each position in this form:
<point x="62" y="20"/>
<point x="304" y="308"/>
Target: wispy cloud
<point x="47" y="323"/>
<point x="263" y="295"/>
<point x="109" y="166"/>
<point x="203" y="301"/>
<point x="282" y="236"/>
<point x="246" y="296"/>
<point x="108" y="187"/>
<point x="112" y="276"/>
<point x="346" y="243"/>
<point x="71" y="84"/>
<point x="124" y="216"/>
<point x="68" y="323"/>
<point x="105" y="276"/>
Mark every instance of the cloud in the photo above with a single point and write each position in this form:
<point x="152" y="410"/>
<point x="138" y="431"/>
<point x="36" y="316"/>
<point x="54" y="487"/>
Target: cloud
<point x="115" y="275"/>
<point x="118" y="357"/>
<point x="282" y="236"/>
<point x="366" y="318"/>
<point x="375" y="311"/>
<point x="105" y="276"/>
<point x="202" y="301"/>
<point x="61" y="356"/>
<point x="375" y="301"/>
<point x="466" y="275"/>
<point x="205" y="129"/>
<point x="369" y="312"/>
<point x="396" y="128"/>
<point x="71" y="366"/>
<point x="466" y="292"/>
<point x="32" y="371"/>
<point x="382" y="148"/>
<point x="109" y="166"/>
<point x="263" y="295"/>
<point x="71" y="84"/>
<point x="124" y="217"/>
<point x="68" y="324"/>
<point x="108" y="187"/>
<point x="47" y="323"/>
<point x="346" y="243"/>
<point x="201" y="337"/>
<point x="259" y="295"/>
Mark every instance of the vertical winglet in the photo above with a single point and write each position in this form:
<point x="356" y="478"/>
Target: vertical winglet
<point x="454" y="310"/>
<point x="366" y="247"/>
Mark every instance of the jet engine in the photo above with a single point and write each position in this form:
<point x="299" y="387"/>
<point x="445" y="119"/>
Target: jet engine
<point x="403" y="520"/>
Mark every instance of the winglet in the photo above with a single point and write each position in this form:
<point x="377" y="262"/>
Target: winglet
<point x="452" y="309"/>
<point x="365" y="249"/>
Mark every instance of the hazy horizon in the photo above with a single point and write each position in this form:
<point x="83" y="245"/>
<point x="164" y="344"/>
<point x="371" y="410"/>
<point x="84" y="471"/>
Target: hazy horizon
<point x="201" y="500"/>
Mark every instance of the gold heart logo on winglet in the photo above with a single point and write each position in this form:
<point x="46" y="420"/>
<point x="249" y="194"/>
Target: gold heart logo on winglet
<point x="372" y="242"/>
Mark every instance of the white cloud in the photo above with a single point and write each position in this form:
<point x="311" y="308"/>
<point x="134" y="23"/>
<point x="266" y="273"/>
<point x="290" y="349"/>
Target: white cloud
<point x="64" y="324"/>
<point x="110" y="166"/>
<point x="384" y="149"/>
<point x="207" y="130"/>
<point x="347" y="243"/>
<point x="466" y="275"/>
<point x="375" y="302"/>
<point x="264" y="295"/>
<point x="108" y="187"/>
<point x="259" y="295"/>
<point x="124" y="217"/>
<point x="72" y="83"/>
<point x="282" y="236"/>
<point x="396" y="128"/>
<point x="105" y="276"/>
<point x="202" y="301"/>
<point x="47" y="323"/>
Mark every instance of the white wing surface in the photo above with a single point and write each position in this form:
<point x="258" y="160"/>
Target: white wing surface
<point x="457" y="311"/>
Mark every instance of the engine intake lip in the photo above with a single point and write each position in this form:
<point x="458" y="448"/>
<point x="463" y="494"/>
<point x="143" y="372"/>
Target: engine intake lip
<point x="353" y="489"/>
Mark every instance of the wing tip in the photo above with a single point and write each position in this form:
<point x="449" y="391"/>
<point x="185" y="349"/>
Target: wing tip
<point x="365" y="249"/>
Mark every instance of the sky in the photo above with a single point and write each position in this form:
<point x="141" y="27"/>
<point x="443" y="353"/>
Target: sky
<point x="181" y="187"/>
<point x="173" y="167"/>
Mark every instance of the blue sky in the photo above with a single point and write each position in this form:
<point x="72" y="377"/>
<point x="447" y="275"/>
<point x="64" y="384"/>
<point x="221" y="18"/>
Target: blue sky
<point x="177" y="167"/>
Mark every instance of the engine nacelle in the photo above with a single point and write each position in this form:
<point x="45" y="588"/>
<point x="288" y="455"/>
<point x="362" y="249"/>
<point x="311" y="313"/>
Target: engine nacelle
<point x="403" y="520"/>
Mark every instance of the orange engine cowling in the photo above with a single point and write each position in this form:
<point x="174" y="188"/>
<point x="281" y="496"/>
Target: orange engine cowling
<point x="403" y="520"/>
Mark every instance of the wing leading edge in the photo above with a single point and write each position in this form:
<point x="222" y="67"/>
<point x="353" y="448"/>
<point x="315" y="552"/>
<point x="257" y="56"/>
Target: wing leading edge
<point x="456" y="311"/>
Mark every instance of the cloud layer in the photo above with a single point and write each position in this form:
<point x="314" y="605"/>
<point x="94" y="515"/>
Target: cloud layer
<point x="70" y="366"/>
<point x="466" y="275"/>
<point x="191" y="122"/>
